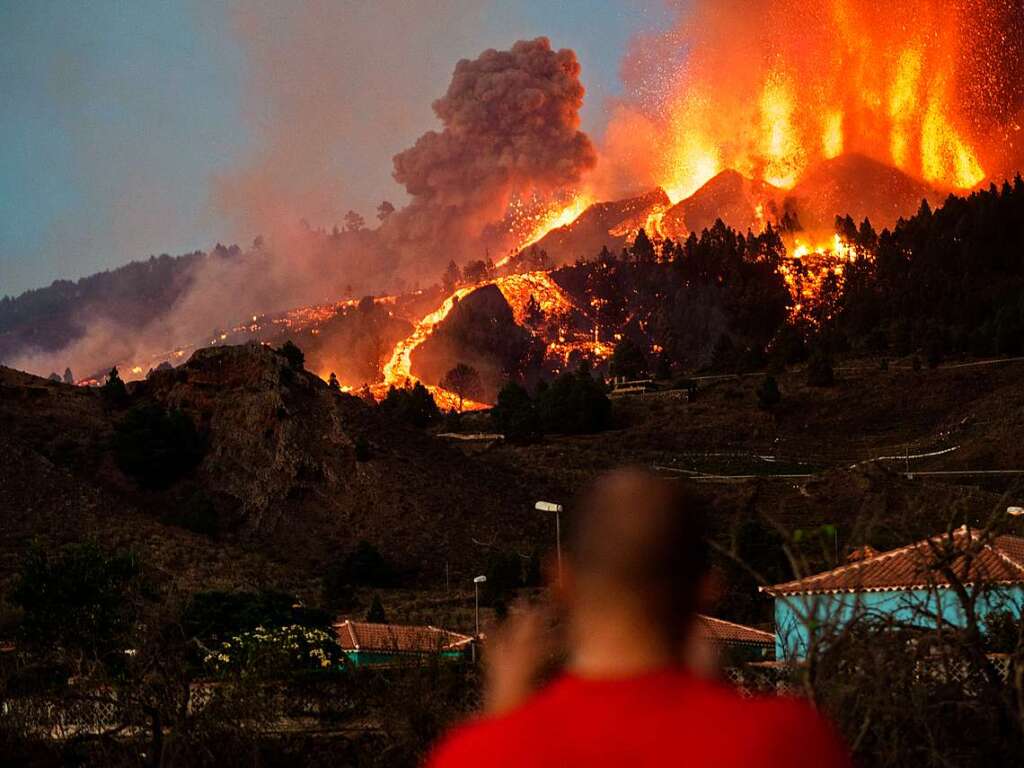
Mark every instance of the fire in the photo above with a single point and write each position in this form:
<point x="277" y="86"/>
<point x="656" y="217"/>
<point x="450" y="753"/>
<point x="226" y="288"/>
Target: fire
<point x="398" y="369"/>
<point x="808" y="265"/>
<point x="517" y="291"/>
<point x="784" y="156"/>
<point x="531" y="227"/>
<point x="772" y="88"/>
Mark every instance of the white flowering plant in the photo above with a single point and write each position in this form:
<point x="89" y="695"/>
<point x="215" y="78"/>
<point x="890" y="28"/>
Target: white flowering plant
<point x="275" y="650"/>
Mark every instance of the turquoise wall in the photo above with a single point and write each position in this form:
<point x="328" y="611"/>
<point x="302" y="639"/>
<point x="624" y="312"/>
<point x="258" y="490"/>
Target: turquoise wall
<point x="377" y="658"/>
<point x="795" y="615"/>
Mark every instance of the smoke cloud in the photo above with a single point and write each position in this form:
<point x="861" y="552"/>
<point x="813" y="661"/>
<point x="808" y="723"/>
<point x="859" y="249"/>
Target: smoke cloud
<point x="510" y="126"/>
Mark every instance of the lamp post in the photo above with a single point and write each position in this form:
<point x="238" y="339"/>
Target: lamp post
<point x="550" y="506"/>
<point x="476" y="595"/>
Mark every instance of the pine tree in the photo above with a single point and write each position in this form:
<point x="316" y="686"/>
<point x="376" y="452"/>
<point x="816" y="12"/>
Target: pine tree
<point x="376" y="613"/>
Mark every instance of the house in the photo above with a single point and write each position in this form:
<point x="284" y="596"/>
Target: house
<point x="913" y="585"/>
<point x="387" y="644"/>
<point x="735" y="640"/>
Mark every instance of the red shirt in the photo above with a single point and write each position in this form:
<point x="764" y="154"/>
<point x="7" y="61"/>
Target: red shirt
<point x="664" y="718"/>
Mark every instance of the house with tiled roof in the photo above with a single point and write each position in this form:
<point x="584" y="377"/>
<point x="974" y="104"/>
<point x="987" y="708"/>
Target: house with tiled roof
<point x="727" y="635"/>
<point x="915" y="585"/>
<point x="365" y="643"/>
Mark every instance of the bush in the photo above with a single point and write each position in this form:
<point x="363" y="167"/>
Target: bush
<point x="414" y="405"/>
<point x="79" y="601"/>
<point x="269" y="652"/>
<point x="768" y="394"/>
<point x="628" y="360"/>
<point x="574" y="404"/>
<point x="216" y="614"/>
<point x="291" y="352"/>
<point x="364" y="566"/>
<point x="113" y="391"/>
<point x="155" y="446"/>
<point x="819" y="371"/>
<point x="376" y="613"/>
<point x="515" y="414"/>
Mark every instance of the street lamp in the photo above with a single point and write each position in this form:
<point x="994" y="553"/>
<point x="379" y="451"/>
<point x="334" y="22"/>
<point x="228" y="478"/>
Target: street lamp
<point x="1015" y="511"/>
<point x="476" y="594"/>
<point x="550" y="506"/>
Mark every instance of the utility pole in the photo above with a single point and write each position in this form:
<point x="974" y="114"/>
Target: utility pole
<point x="476" y="594"/>
<point x="550" y="506"/>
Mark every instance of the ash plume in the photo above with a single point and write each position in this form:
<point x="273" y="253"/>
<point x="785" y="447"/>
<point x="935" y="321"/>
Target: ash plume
<point x="510" y="126"/>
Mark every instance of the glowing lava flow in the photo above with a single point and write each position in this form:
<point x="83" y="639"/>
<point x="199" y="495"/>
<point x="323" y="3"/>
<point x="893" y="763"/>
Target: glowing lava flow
<point x="398" y="369"/>
<point x="541" y="224"/>
<point x="517" y="290"/>
<point x="806" y="268"/>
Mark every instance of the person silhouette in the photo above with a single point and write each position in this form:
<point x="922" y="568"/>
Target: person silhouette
<point x="632" y="580"/>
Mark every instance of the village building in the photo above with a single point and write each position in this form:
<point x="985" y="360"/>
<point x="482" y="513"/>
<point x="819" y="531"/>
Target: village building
<point x="921" y="585"/>
<point x="367" y="644"/>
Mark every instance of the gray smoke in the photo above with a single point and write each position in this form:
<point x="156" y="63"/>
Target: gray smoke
<point x="510" y="126"/>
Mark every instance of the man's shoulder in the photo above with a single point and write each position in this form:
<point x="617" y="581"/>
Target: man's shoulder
<point x="465" y="745"/>
<point x="495" y="736"/>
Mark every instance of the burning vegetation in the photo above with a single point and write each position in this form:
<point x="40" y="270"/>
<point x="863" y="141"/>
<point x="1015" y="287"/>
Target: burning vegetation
<point x="772" y="150"/>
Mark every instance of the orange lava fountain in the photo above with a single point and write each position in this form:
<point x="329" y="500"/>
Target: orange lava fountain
<point x="771" y="87"/>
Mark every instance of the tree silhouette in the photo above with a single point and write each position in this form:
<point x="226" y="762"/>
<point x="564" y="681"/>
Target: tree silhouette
<point x="464" y="381"/>
<point x="384" y="210"/>
<point x="354" y="222"/>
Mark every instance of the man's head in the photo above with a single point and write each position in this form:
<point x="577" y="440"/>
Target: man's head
<point x="637" y="545"/>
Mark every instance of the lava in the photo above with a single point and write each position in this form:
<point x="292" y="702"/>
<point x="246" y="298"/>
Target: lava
<point x="532" y="226"/>
<point x="772" y="87"/>
<point x="517" y="290"/>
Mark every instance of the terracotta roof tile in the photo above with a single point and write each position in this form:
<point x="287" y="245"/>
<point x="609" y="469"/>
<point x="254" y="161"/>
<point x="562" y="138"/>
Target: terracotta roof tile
<point x="726" y="632"/>
<point x="972" y="555"/>
<point x="396" y="638"/>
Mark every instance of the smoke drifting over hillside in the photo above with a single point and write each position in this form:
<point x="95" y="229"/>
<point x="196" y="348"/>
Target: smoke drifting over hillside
<point x="510" y="126"/>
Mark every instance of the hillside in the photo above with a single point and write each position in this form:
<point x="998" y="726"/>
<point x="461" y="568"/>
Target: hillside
<point x="740" y="202"/>
<point x="603" y="225"/>
<point x="857" y="186"/>
<point x="279" y="480"/>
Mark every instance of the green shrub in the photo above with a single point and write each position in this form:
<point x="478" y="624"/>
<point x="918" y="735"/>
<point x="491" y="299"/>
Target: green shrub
<point x="156" y="446"/>
<point x="414" y="405"/>
<point x="216" y="614"/>
<point x="364" y="566"/>
<point x="515" y="414"/>
<point x="362" y="449"/>
<point x="376" y="614"/>
<point x="291" y="352"/>
<point x="77" y="601"/>
<point x="574" y="403"/>
<point x="768" y="394"/>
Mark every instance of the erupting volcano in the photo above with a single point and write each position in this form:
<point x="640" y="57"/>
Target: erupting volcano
<point x="772" y="118"/>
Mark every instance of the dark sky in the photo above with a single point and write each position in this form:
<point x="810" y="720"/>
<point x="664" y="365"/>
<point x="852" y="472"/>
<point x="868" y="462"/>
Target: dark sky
<point x="121" y="121"/>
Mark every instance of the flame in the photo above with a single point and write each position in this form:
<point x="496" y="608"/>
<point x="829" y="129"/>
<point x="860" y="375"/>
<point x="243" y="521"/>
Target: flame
<point x="533" y="226"/>
<point x="770" y="89"/>
<point x="809" y="262"/>
<point x="784" y="156"/>
<point x="517" y="291"/>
